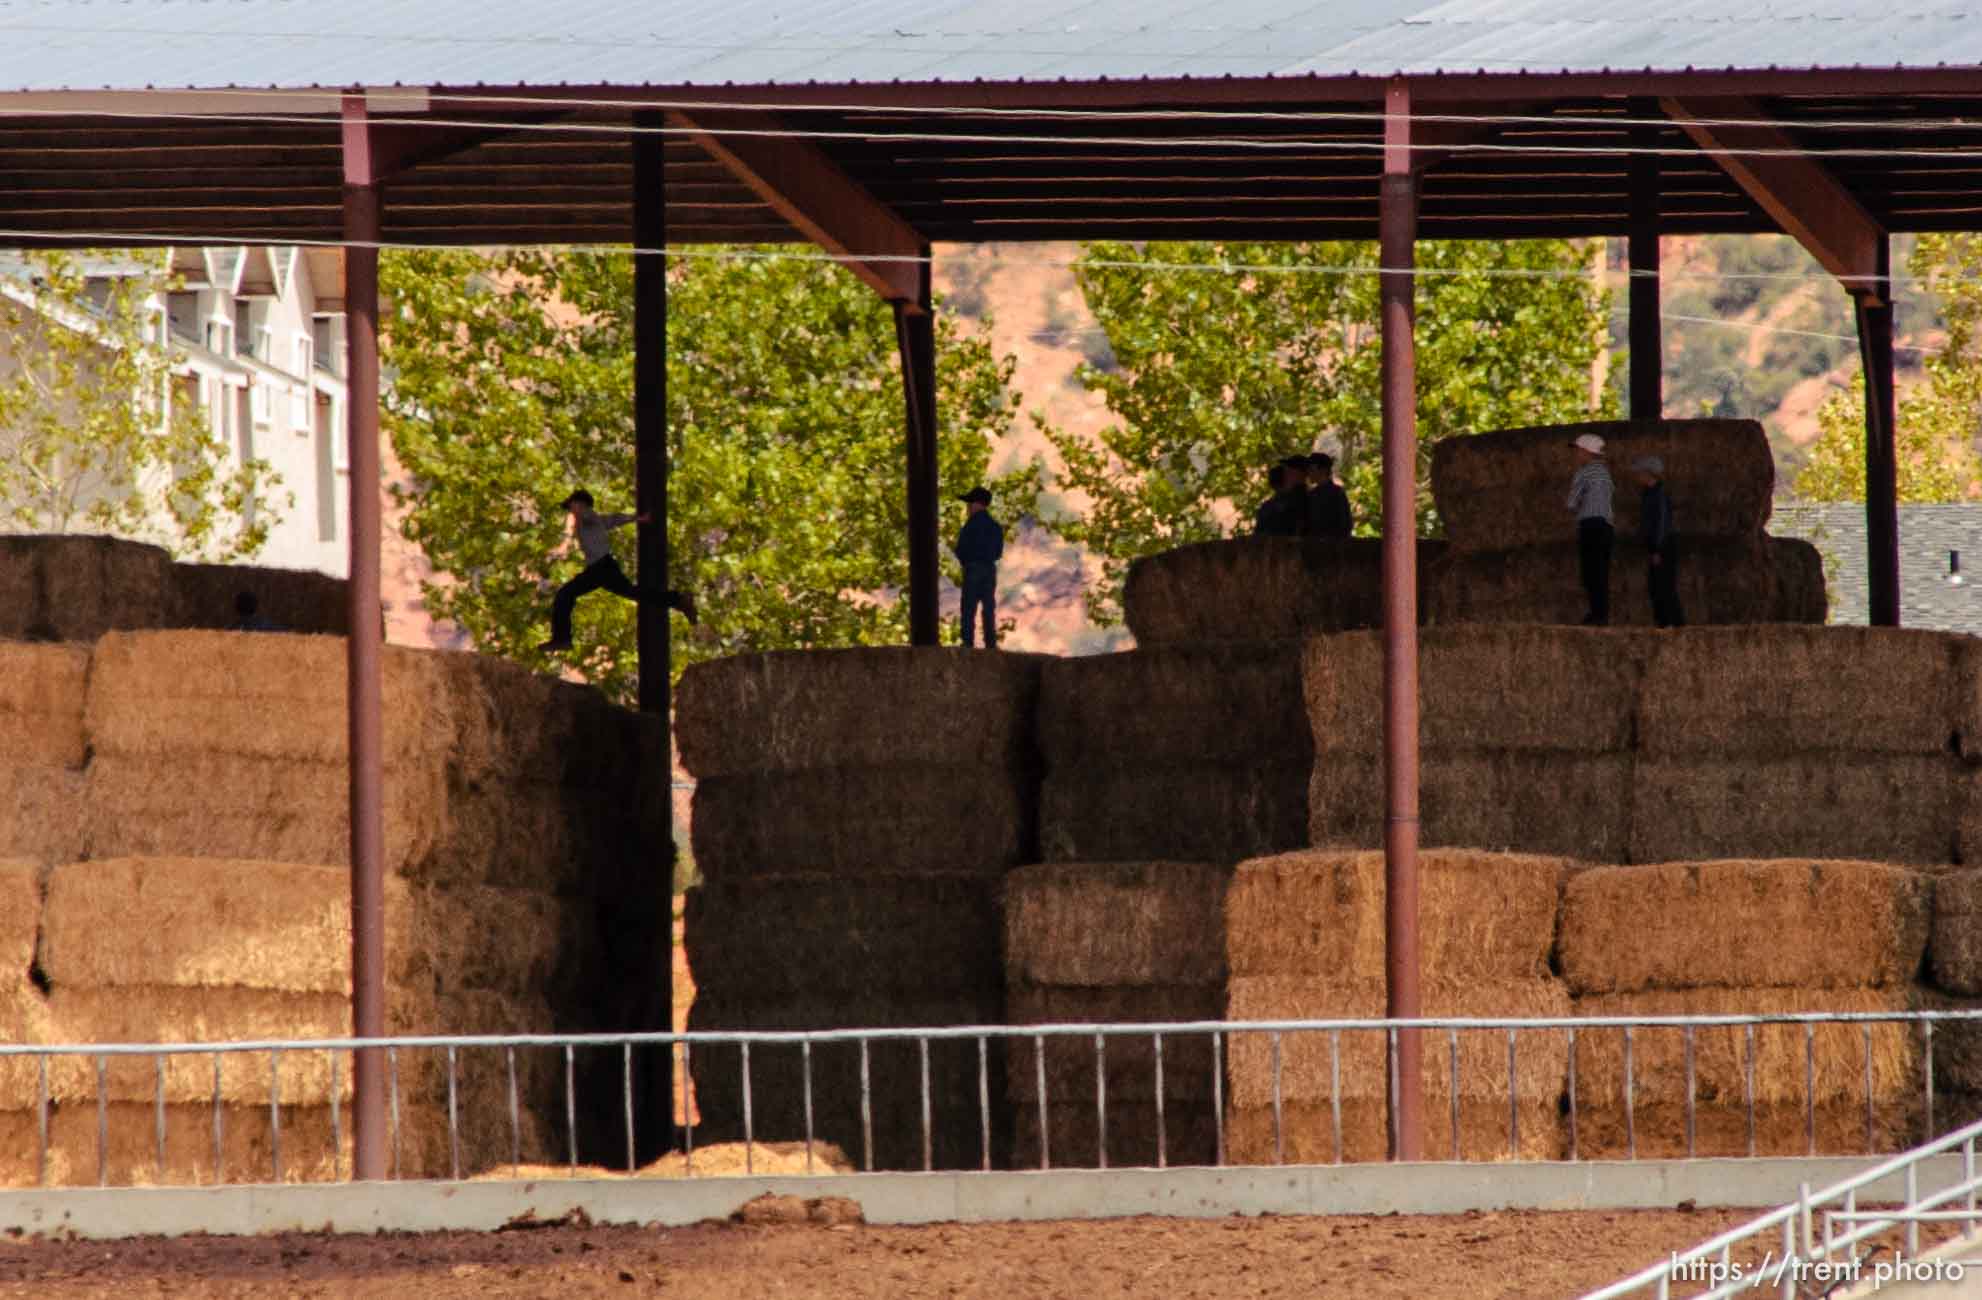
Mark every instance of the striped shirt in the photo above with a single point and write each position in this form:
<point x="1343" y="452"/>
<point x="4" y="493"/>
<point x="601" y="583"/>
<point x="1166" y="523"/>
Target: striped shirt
<point x="1590" y="492"/>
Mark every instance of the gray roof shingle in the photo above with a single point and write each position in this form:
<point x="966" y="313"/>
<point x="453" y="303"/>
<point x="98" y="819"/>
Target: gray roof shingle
<point x="1927" y="534"/>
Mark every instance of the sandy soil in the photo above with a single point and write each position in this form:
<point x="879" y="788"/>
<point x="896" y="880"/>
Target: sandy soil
<point x="1377" y="1258"/>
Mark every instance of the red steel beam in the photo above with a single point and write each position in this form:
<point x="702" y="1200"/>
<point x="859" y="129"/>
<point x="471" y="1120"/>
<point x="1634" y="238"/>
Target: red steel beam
<point x="810" y="191"/>
<point x="1799" y="193"/>
<point x="1400" y="621"/>
<point x="364" y="645"/>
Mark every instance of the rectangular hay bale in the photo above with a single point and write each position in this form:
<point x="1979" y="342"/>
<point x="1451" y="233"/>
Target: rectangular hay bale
<point x="928" y="936"/>
<point x="1255" y="589"/>
<point x="76" y="587"/>
<point x="1073" y="1135"/>
<point x="1130" y="1059"/>
<point x="1835" y="1063"/>
<point x="278" y="926"/>
<point x="1788" y="690"/>
<point x="960" y="1099"/>
<point x="1721" y="580"/>
<point x="1482" y="688"/>
<point x="1308" y="1059"/>
<point x="1562" y="804"/>
<point x="1230" y="702"/>
<point x="1487" y="1131"/>
<point x="42" y="812"/>
<point x="41" y="703"/>
<point x="295" y="600"/>
<point x="793" y="710"/>
<point x="1320" y="912"/>
<point x="860" y="821"/>
<point x="20" y="915"/>
<point x="1875" y="808"/>
<point x="153" y="694"/>
<point x="1178" y="812"/>
<point x="1507" y="487"/>
<point x="1114" y="924"/>
<point x="131" y="1157"/>
<point x="222" y="805"/>
<point x="1955" y="948"/>
<point x="1743" y="925"/>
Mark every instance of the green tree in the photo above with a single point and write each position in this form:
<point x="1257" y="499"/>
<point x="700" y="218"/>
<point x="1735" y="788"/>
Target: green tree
<point x="89" y="439"/>
<point x="1934" y="435"/>
<point x="1218" y="374"/>
<point x="513" y="382"/>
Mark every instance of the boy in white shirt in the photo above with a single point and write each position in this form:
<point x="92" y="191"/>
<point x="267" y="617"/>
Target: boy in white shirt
<point x="602" y="571"/>
<point x="1590" y="493"/>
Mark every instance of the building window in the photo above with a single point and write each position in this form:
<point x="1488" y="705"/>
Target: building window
<point x="258" y="400"/>
<point x="220" y="337"/>
<point x="299" y="396"/>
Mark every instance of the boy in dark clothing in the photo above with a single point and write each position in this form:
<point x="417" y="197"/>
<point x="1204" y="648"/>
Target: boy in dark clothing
<point x="1267" y="516"/>
<point x="980" y="544"/>
<point x="1328" y="513"/>
<point x="602" y="571"/>
<point x="1661" y="543"/>
<point x="1282" y="514"/>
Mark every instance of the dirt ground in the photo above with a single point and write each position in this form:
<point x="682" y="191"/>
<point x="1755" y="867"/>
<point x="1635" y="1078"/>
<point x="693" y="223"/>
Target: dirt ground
<point x="1393" y="1257"/>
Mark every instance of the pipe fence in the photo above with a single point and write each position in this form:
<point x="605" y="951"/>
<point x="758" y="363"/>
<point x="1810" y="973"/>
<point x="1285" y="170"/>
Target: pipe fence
<point x="996" y="1053"/>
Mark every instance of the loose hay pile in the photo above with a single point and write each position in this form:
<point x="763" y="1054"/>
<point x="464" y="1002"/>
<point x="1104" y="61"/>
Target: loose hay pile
<point x="1115" y="942"/>
<point x="1260" y="589"/>
<point x="1182" y="753"/>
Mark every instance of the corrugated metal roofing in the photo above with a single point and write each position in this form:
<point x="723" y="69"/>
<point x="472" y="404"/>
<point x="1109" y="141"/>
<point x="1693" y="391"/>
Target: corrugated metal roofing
<point x="54" y="45"/>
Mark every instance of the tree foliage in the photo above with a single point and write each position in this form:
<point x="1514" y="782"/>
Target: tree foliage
<point x="1218" y="374"/>
<point x="89" y="440"/>
<point x="513" y="383"/>
<point x="1938" y="421"/>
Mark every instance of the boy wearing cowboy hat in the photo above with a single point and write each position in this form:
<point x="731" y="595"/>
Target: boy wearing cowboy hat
<point x="1590" y="493"/>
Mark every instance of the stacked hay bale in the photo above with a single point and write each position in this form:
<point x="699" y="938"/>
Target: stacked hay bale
<point x="1513" y="552"/>
<point x="77" y="588"/>
<point x="295" y="600"/>
<point x="1524" y="740"/>
<point x="1178" y="753"/>
<point x="195" y="903"/>
<point x="42" y="749"/>
<point x="1261" y="589"/>
<point x="1304" y="933"/>
<point x="854" y="813"/>
<point x="1747" y="938"/>
<point x="1954" y="970"/>
<point x="1112" y="943"/>
<point x="1784" y="742"/>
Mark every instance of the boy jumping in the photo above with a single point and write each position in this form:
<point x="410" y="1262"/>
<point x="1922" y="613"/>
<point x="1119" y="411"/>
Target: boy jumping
<point x="594" y="532"/>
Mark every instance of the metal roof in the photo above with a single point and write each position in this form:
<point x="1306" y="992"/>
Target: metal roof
<point x="141" y="44"/>
<point x="1192" y="119"/>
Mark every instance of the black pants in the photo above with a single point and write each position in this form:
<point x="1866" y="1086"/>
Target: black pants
<point x="1593" y="543"/>
<point x="600" y="575"/>
<point x="980" y="593"/>
<point x="1662" y="579"/>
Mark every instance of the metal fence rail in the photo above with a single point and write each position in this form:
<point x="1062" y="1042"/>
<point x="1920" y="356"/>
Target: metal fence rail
<point x="1553" y="1035"/>
<point x="1809" y="1263"/>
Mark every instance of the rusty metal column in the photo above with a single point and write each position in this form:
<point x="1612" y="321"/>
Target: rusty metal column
<point x="1399" y="222"/>
<point x="364" y="644"/>
<point x="650" y="492"/>
<point x="1875" y="350"/>
<point x="915" y="336"/>
<point x="1646" y="337"/>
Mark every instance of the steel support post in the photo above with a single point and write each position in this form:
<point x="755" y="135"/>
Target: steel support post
<point x="1875" y="349"/>
<point x="915" y="335"/>
<point x="1647" y="377"/>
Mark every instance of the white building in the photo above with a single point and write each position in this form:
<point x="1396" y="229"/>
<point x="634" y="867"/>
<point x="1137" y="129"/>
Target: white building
<point x="260" y="333"/>
<point x="256" y="338"/>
